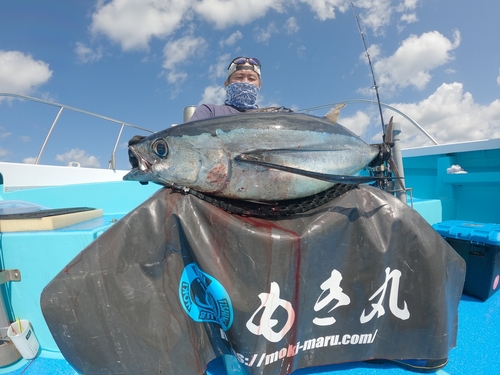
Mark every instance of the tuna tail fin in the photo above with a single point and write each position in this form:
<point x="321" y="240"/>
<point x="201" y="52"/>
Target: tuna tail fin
<point x="385" y="155"/>
<point x="343" y="179"/>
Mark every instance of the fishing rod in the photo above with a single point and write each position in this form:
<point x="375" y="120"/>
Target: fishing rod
<point x="375" y="86"/>
<point x="389" y="166"/>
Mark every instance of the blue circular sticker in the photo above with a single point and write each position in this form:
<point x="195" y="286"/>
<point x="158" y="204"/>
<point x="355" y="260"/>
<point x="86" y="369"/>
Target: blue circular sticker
<point x="203" y="298"/>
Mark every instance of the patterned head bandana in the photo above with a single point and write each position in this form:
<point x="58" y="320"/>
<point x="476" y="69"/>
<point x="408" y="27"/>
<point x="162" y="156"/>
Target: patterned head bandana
<point x="242" y="95"/>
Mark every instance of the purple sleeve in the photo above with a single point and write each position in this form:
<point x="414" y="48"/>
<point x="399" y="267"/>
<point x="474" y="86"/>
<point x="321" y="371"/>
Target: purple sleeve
<point x="201" y="112"/>
<point x="205" y="111"/>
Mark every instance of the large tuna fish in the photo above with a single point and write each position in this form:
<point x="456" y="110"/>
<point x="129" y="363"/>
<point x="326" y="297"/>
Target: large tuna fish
<point x="253" y="156"/>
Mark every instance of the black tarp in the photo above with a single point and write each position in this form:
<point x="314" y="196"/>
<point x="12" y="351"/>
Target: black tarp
<point x="178" y="282"/>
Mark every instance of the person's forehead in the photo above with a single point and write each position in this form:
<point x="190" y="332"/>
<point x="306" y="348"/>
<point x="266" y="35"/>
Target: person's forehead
<point x="245" y="72"/>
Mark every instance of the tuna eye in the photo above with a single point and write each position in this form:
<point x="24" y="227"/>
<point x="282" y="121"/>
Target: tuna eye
<point x="160" y="148"/>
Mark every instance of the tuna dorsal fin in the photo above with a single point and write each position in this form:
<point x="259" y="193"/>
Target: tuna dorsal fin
<point x="333" y="114"/>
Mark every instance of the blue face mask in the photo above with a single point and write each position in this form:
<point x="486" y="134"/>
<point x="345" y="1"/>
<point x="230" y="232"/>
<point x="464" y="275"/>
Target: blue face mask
<point x="242" y="95"/>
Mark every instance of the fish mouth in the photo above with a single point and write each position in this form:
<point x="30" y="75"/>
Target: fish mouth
<point x="141" y="168"/>
<point x="137" y="161"/>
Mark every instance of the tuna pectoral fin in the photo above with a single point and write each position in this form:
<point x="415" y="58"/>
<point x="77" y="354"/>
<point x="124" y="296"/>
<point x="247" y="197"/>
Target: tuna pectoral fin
<point x="319" y="176"/>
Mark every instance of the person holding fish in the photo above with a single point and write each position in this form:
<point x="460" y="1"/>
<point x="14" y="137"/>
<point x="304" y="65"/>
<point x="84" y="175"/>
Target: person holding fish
<point x="242" y="84"/>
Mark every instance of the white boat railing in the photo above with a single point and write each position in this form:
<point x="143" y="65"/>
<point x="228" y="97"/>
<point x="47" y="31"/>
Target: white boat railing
<point x="412" y="121"/>
<point x="112" y="161"/>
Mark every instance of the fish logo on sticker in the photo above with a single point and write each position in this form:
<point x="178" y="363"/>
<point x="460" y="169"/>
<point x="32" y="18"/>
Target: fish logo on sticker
<point x="204" y="298"/>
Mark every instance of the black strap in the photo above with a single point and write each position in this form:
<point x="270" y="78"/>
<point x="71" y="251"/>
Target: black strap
<point x="276" y="209"/>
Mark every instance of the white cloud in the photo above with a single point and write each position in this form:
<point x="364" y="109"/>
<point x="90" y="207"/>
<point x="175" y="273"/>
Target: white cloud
<point x="214" y="94"/>
<point x="301" y="50"/>
<point x="20" y="73"/>
<point x="375" y="14"/>
<point x="408" y="15"/>
<point x="449" y="115"/>
<point x="79" y="156"/>
<point x="325" y="9"/>
<point x="85" y="54"/>
<point x="173" y="76"/>
<point x="132" y="23"/>
<point x="219" y="69"/>
<point x="498" y="78"/>
<point x="409" y="18"/>
<point x="4" y="134"/>
<point x="407" y="5"/>
<point x="413" y="61"/>
<point x="25" y="138"/>
<point x="225" y="13"/>
<point x="263" y="35"/>
<point x="232" y="39"/>
<point x="373" y="50"/>
<point x="263" y="102"/>
<point x="29" y="160"/>
<point x="178" y="51"/>
<point x="357" y="123"/>
<point x="291" y="26"/>
<point x="3" y="153"/>
<point x="406" y="19"/>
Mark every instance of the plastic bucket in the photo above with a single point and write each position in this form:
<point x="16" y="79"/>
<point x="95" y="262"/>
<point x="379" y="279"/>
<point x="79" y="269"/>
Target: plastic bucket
<point x="22" y="335"/>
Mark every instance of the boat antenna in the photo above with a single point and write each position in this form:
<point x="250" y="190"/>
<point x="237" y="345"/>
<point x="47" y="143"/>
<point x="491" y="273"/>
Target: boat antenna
<point x="375" y="86"/>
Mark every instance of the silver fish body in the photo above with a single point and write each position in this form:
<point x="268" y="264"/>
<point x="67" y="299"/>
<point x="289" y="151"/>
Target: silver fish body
<point x="233" y="156"/>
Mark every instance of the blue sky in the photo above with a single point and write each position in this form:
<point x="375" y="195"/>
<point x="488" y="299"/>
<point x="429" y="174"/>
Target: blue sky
<point x="143" y="61"/>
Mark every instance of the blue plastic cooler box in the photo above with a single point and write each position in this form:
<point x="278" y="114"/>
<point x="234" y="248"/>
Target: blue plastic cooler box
<point x="479" y="245"/>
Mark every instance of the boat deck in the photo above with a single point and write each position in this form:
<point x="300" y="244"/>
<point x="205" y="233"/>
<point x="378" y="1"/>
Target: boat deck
<point x="476" y="351"/>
